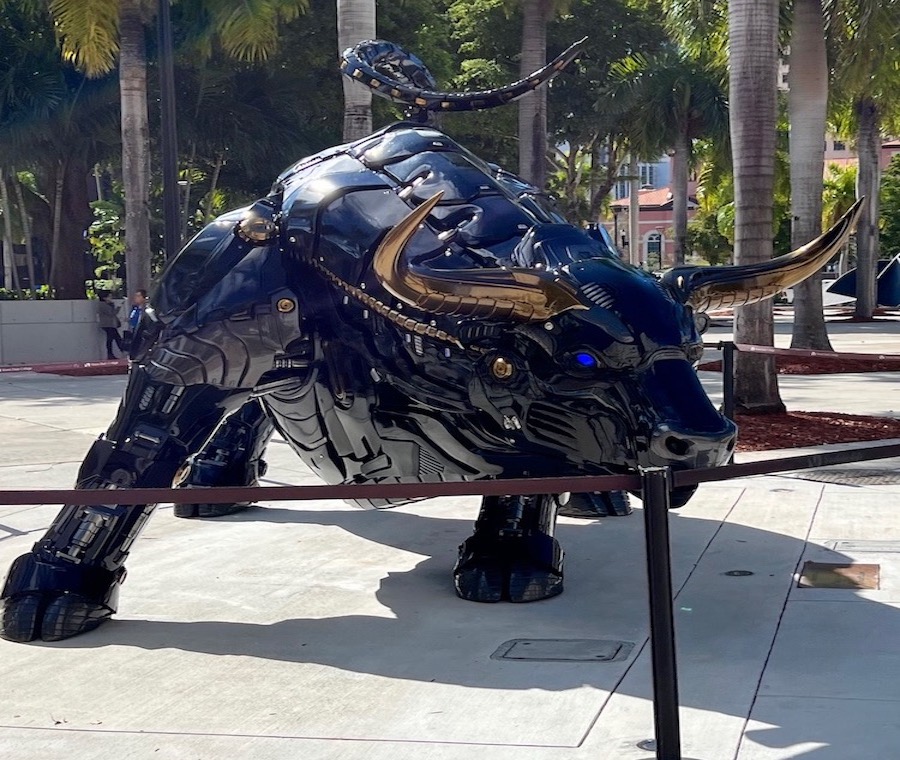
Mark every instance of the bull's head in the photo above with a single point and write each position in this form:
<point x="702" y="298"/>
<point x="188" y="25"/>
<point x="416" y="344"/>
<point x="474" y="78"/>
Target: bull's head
<point x="607" y="352"/>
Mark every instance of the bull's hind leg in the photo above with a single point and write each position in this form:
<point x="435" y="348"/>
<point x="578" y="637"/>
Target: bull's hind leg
<point x="69" y="582"/>
<point x="231" y="457"/>
<point x="512" y="554"/>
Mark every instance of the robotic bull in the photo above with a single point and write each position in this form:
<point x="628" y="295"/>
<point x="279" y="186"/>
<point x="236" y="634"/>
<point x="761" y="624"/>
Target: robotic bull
<point x="399" y="311"/>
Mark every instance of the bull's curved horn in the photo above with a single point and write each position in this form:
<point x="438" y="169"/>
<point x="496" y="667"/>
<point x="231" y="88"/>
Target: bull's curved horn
<point x="707" y="288"/>
<point x="362" y="64"/>
<point x="521" y="294"/>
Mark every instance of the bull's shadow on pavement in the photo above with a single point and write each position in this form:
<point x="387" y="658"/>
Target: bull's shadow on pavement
<point x="435" y="637"/>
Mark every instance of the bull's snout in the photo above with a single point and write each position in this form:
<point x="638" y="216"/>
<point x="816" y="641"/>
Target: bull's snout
<point x="684" y="449"/>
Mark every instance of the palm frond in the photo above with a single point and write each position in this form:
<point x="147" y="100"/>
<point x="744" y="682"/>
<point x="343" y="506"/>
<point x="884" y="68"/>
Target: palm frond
<point x="248" y="30"/>
<point x="88" y="31"/>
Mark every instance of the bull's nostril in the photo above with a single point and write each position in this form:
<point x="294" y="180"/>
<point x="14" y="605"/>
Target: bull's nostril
<point x="678" y="446"/>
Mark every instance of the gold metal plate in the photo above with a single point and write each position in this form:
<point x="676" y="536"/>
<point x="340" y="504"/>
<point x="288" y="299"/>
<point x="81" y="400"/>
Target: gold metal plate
<point x="834" y="575"/>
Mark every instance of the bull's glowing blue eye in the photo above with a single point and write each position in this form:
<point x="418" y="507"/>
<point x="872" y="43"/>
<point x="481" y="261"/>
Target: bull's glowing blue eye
<point x="585" y="360"/>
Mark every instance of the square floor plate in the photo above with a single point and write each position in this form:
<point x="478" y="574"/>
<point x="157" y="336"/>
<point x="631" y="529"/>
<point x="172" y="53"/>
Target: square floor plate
<point x="564" y="650"/>
<point x="834" y="575"/>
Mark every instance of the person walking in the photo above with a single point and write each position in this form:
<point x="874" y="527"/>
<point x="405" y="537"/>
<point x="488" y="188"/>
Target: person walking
<point x="138" y="304"/>
<point x="107" y="316"/>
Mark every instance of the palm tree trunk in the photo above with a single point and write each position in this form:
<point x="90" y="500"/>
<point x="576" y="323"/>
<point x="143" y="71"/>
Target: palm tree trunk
<point x="71" y="216"/>
<point x="10" y="278"/>
<point x="209" y="212"/>
<point x="681" y="159"/>
<point x="59" y="184"/>
<point x="635" y="244"/>
<point x="135" y="155"/>
<point x="808" y="108"/>
<point x="533" y="107"/>
<point x="753" y="57"/>
<point x="605" y="163"/>
<point x="26" y="233"/>
<point x="356" y="23"/>
<point x="186" y="199"/>
<point x="868" y="181"/>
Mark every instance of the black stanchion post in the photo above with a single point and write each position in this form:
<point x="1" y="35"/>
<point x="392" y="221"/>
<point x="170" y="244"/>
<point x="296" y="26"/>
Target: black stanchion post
<point x="728" y="350"/>
<point x="655" y="489"/>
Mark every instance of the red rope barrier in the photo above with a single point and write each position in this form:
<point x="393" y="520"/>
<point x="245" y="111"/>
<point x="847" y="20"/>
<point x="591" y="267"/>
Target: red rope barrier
<point x="750" y="349"/>
<point x="807" y="353"/>
<point x="512" y="487"/>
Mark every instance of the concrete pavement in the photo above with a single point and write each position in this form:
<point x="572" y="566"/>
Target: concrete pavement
<point x="298" y="630"/>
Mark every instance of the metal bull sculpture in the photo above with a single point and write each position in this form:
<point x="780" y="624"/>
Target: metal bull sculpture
<point x="399" y="311"/>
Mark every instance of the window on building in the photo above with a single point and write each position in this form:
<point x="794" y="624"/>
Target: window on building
<point x="648" y="178"/>
<point x="838" y="145"/>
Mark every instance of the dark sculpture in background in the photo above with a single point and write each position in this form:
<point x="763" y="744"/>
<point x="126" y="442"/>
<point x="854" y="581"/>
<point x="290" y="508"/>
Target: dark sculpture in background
<point x="399" y="311"/>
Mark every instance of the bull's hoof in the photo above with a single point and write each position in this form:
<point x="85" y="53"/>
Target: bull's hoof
<point x="509" y="568"/>
<point x="209" y="510"/>
<point x="591" y="505"/>
<point x="50" y="616"/>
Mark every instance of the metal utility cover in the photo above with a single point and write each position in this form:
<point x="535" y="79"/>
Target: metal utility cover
<point x="856" y="547"/>
<point x="852" y="477"/>
<point x="564" y="650"/>
<point x="833" y="575"/>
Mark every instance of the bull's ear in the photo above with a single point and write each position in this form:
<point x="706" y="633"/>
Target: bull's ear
<point x="707" y="288"/>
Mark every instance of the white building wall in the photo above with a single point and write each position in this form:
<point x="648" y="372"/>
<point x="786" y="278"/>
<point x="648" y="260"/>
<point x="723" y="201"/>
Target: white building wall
<point x="33" y="332"/>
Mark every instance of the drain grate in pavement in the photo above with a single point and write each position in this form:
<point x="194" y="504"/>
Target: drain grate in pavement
<point x="857" y="547"/>
<point x="852" y="477"/>
<point x="832" y="575"/>
<point x="563" y="650"/>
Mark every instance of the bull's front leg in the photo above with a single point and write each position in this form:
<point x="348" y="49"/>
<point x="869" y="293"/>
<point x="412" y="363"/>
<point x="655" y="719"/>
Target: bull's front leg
<point x="69" y="582"/>
<point x="512" y="555"/>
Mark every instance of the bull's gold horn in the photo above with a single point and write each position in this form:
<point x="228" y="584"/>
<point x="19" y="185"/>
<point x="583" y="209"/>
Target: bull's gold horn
<point x="521" y="294"/>
<point x="707" y="288"/>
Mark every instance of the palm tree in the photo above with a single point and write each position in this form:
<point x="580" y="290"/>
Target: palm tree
<point x="838" y="196"/>
<point x="536" y="14"/>
<point x="808" y="111"/>
<point x="56" y="124"/>
<point x="96" y="35"/>
<point x="674" y="100"/>
<point x="356" y="23"/>
<point x="10" y="273"/>
<point x="753" y="60"/>
<point x="868" y="56"/>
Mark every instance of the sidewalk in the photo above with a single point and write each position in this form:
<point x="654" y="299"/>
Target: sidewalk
<point x="323" y="631"/>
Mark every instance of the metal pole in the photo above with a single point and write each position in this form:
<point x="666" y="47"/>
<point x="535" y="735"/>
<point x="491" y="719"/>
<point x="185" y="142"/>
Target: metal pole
<point x="728" y="350"/>
<point x="169" y="135"/>
<point x="655" y="488"/>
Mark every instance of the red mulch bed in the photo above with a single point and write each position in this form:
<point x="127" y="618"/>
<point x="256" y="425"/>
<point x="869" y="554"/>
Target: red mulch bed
<point x="762" y="432"/>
